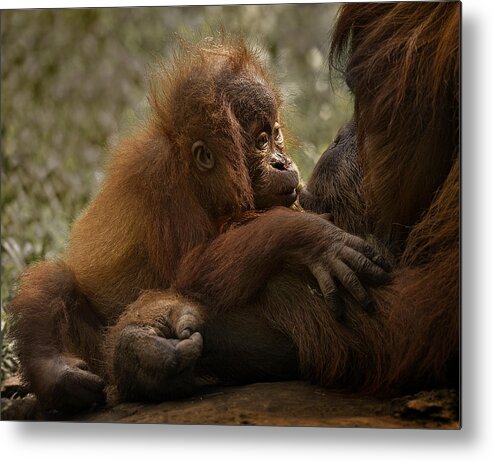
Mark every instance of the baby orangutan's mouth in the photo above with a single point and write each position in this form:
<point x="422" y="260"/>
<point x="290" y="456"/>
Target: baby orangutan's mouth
<point x="284" y="193"/>
<point x="287" y="196"/>
<point x="292" y="189"/>
<point x="290" y="193"/>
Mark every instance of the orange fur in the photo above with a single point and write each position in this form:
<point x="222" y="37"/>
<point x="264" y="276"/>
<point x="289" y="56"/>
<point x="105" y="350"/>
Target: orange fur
<point x="401" y="62"/>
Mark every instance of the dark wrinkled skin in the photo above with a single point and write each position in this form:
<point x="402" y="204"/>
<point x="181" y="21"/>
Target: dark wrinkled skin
<point x="335" y="185"/>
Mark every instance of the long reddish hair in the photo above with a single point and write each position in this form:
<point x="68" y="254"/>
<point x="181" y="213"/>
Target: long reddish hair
<point x="402" y="64"/>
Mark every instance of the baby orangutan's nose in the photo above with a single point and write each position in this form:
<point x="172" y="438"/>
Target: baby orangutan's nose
<point x="278" y="166"/>
<point x="279" y="162"/>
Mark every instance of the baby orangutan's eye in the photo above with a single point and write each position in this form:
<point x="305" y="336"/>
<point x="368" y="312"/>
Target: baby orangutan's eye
<point x="278" y="137"/>
<point x="262" y="141"/>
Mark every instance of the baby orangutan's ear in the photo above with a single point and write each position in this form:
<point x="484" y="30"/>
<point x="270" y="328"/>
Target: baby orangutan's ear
<point x="202" y="156"/>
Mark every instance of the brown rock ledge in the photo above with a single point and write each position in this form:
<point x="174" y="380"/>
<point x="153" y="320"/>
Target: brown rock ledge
<point x="269" y="404"/>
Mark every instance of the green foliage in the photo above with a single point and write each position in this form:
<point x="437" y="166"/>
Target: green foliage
<point x="73" y="79"/>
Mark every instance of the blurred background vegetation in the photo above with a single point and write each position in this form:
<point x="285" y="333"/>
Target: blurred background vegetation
<point x="74" y="80"/>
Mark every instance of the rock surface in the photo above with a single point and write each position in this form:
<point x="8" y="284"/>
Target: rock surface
<point x="269" y="404"/>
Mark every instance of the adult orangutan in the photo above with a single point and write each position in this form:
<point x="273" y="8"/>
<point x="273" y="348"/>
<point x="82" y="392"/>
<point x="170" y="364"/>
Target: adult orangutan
<point x="402" y="63"/>
<point x="211" y="152"/>
<point x="393" y="175"/>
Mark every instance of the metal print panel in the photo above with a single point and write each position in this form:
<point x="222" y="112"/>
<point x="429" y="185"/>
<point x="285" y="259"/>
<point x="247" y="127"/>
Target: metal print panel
<point x="181" y="246"/>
